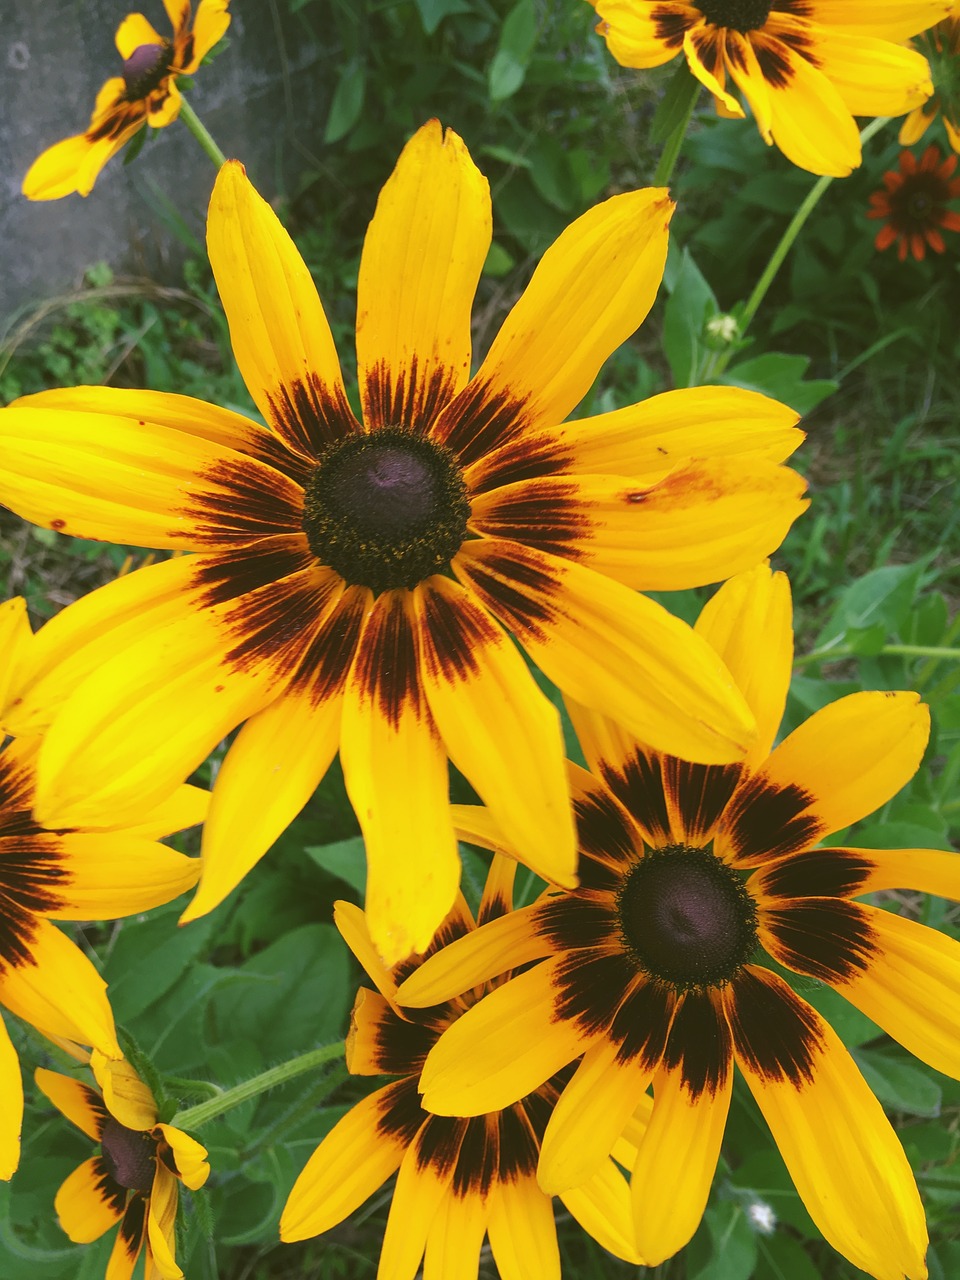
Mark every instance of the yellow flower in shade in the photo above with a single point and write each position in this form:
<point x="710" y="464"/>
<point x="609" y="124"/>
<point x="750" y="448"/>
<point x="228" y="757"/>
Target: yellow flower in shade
<point x="134" y="1179"/>
<point x="145" y="93"/>
<point x="96" y="870"/>
<point x="457" y="1179"/>
<point x="941" y="47"/>
<point x="355" y="585"/>
<point x="695" y="882"/>
<point x="805" y="67"/>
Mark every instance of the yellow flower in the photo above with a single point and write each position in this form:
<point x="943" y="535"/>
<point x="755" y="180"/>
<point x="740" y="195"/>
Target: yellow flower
<point x="134" y="1180"/>
<point x="941" y="47"/>
<point x="806" y="67"/>
<point x="96" y="870"/>
<point x="354" y="586"/>
<point x="144" y="94"/>
<point x="697" y="883"/>
<point x="458" y="1180"/>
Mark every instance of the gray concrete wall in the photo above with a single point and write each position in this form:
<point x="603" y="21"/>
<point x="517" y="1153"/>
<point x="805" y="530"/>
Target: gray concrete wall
<point x="264" y="99"/>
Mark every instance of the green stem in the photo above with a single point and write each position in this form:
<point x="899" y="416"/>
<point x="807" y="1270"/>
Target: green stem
<point x="833" y="653"/>
<point x="199" y="131"/>
<point x="681" y="98"/>
<point x="194" y="1117"/>
<point x="783" y="248"/>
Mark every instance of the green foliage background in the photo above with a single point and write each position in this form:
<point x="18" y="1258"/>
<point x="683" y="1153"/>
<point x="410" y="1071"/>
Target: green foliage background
<point x="866" y="346"/>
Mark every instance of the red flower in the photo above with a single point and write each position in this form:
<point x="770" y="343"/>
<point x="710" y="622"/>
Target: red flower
<point x="913" y="202"/>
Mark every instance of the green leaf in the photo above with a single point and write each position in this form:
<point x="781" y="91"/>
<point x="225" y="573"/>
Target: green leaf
<point x="781" y="376"/>
<point x="882" y="597"/>
<point x="433" y="12"/>
<point x="345" y="859"/>
<point x="900" y="1085"/>
<point x="672" y="108"/>
<point x="783" y="1258"/>
<point x="296" y="996"/>
<point x="347" y="103"/>
<point x="518" y="37"/>
<point x="691" y="303"/>
<point x="148" y="959"/>
<point x="734" y="1244"/>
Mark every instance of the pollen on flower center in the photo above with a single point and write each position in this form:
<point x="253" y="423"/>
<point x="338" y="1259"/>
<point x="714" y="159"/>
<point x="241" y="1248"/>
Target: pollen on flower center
<point x="130" y="1156"/>
<point x="386" y="510"/>
<point x="686" y="917"/>
<point x="739" y="15"/>
<point x="145" y="69"/>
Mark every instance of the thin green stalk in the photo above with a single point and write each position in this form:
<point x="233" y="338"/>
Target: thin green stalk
<point x="783" y="248"/>
<point x="194" y="1117"/>
<point x="200" y="132"/>
<point x="682" y="94"/>
<point x="833" y="653"/>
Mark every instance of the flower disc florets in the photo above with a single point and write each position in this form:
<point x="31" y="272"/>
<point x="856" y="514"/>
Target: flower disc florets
<point x="130" y="1156"/>
<point x="144" y="70"/>
<point x="386" y="510"/>
<point x="739" y="15"/>
<point x="687" y="918"/>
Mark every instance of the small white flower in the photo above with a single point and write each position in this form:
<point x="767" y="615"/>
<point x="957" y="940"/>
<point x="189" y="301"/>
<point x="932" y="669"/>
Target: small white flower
<point x="723" y="328"/>
<point x="762" y="1218"/>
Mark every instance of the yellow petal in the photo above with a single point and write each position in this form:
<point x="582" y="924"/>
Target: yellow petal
<point x="935" y="871"/>
<point x="745" y="71"/>
<point x="909" y="987"/>
<point x="209" y="26"/>
<point x="422" y="258"/>
<point x="523" y="1234"/>
<point x="635" y="35"/>
<point x="498" y="728"/>
<point x="161" y="1227"/>
<point x="839" y="1148"/>
<point x="125" y="1095"/>
<point x="270" y="772"/>
<point x="419" y="1192"/>
<point x="503" y="1048"/>
<point x="114" y="874"/>
<point x="589" y="1117"/>
<point x="15" y="642"/>
<point x="185" y="807"/>
<point x="811" y="125"/>
<point x="695" y="422"/>
<point x="60" y="992"/>
<point x="503" y="944"/>
<point x="749" y="623"/>
<point x="354" y="1159"/>
<point x="892" y="19"/>
<point x="612" y="650"/>
<point x="704" y="46"/>
<point x="78" y="1102"/>
<point x="874" y="77"/>
<point x="602" y="1207"/>
<point x="352" y="923"/>
<point x="73" y="165"/>
<point x="676" y="1163"/>
<point x="456" y="1237"/>
<point x="84" y="1205"/>
<point x="189" y="1156"/>
<point x="11" y="1113"/>
<point x="845" y="761"/>
<point x="280" y="335"/>
<point x="395" y="771"/>
<point x="592" y="289"/>
<point x="134" y="31"/>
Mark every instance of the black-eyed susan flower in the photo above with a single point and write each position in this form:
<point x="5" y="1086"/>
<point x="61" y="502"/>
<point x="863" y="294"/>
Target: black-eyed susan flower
<point x="697" y="883"/>
<point x="458" y="1179"/>
<point x="355" y="585"/>
<point x="913" y="204"/>
<point x="805" y="67"/>
<point x="97" y="870"/>
<point x="134" y="1180"/>
<point x="145" y="93"/>
<point x="941" y="47"/>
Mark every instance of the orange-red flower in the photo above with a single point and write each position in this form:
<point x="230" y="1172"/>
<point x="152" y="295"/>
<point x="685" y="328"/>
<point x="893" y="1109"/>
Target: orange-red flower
<point x="914" y="204"/>
<point x="144" y="93"/>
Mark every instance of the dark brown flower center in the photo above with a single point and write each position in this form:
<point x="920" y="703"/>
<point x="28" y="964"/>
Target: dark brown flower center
<point x="739" y="15"/>
<point x="686" y="917"/>
<point x="918" y="201"/>
<point x="145" y="69"/>
<point x="130" y="1156"/>
<point x="386" y="510"/>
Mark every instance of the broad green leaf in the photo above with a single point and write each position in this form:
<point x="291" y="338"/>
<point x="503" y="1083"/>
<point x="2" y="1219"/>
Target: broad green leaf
<point x="690" y="305"/>
<point x="345" y="859"/>
<point x="433" y="12"/>
<point x="900" y="1085"/>
<point x="347" y="103"/>
<point x="149" y="957"/>
<point x="518" y="37"/>
<point x="781" y="376"/>
<point x="882" y="597"/>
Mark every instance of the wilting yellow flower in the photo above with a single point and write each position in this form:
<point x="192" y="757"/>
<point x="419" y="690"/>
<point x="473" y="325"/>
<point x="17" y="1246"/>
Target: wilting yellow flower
<point x="144" y="94"/>
<point x="695" y="884"/>
<point x="96" y="870"/>
<point x="806" y="67"/>
<point x="458" y="1180"/>
<point x="355" y="585"/>
<point x="134" y="1179"/>
<point x="941" y="47"/>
